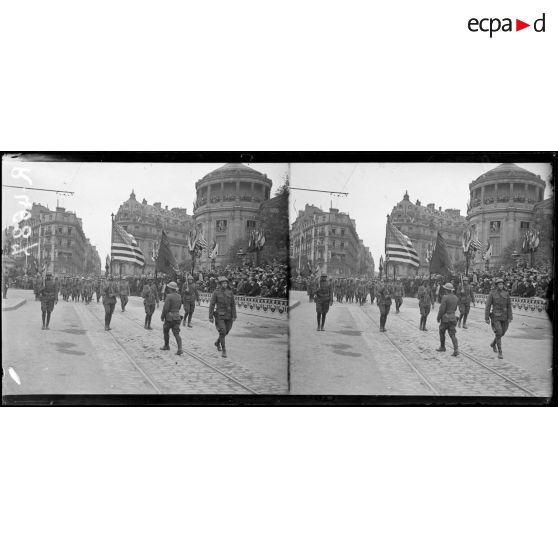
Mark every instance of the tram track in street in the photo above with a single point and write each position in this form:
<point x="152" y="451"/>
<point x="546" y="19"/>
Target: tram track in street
<point x="227" y="377"/>
<point x="482" y="366"/>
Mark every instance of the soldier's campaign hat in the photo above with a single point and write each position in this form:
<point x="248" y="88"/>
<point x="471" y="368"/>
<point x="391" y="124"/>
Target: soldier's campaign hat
<point x="223" y="279"/>
<point x="172" y="285"/>
<point x="498" y="280"/>
<point x="190" y="278"/>
<point x="465" y="278"/>
<point x="449" y="287"/>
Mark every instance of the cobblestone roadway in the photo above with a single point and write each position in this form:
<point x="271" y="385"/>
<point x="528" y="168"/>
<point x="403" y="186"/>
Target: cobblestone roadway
<point x="77" y="356"/>
<point x="527" y="351"/>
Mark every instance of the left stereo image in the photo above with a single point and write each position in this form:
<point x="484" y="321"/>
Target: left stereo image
<point x="144" y="278"/>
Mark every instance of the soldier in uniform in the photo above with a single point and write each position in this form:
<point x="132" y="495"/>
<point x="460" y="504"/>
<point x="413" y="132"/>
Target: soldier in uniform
<point x="5" y="285"/>
<point x="150" y="299"/>
<point x="124" y="292"/>
<point x="48" y="295"/>
<point x="190" y="296"/>
<point x="465" y="296"/>
<point x="88" y="289"/>
<point x="424" y="296"/>
<point x="498" y="311"/>
<point x="110" y="292"/>
<point x="384" y="303"/>
<point x="222" y="309"/>
<point x="361" y="292"/>
<point x="171" y="318"/>
<point x="311" y="288"/>
<point x="398" y="294"/>
<point x="447" y="319"/>
<point x="98" y="288"/>
<point x="372" y="290"/>
<point x="75" y="290"/>
<point x="323" y="297"/>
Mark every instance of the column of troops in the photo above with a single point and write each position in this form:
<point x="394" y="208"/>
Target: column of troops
<point x="177" y="296"/>
<point x="454" y="303"/>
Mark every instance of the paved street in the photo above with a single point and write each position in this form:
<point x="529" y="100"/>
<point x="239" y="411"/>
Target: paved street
<point x="352" y="357"/>
<point x="76" y="356"/>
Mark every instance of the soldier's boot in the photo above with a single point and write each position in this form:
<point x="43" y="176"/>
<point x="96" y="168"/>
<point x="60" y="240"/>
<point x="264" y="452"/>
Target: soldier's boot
<point x="499" y="343"/>
<point x="459" y="320"/>
<point x="190" y="319"/>
<point x="47" y="320"/>
<point x="165" y="347"/>
<point x="455" y="346"/>
<point x="421" y="323"/>
<point x="318" y="318"/>
<point x="179" y="344"/>
<point x="465" y="321"/>
<point x="145" y="323"/>
<point x="493" y="345"/>
<point x="442" y="347"/>
<point x="218" y="344"/>
<point x="44" y="319"/>
<point x="149" y="322"/>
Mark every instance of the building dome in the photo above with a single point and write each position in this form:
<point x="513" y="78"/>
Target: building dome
<point x="233" y="171"/>
<point x="507" y="172"/>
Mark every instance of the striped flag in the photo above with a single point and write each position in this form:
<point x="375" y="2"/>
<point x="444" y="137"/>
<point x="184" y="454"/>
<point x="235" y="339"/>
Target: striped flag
<point x="477" y="244"/>
<point x="124" y="247"/>
<point x="399" y="247"/>
<point x="488" y="253"/>
<point x="200" y="241"/>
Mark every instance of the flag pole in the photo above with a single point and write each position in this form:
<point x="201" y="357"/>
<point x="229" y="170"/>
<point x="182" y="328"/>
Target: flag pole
<point x="111" y="240"/>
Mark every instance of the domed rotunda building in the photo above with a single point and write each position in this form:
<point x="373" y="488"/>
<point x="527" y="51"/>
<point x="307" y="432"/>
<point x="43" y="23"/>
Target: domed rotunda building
<point x="502" y="207"/>
<point x="227" y="206"/>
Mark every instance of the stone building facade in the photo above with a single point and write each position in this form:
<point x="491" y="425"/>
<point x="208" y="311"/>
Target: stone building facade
<point x="421" y="224"/>
<point x="59" y="242"/>
<point x="329" y="240"/>
<point x="502" y="206"/>
<point x="146" y="222"/>
<point x="227" y="209"/>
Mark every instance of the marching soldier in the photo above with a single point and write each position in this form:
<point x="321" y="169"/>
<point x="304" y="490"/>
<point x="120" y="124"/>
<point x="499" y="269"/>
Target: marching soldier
<point x="98" y="288"/>
<point x="447" y="319"/>
<point x="384" y="303"/>
<point x="171" y="318"/>
<point x="5" y="284"/>
<point x="465" y="296"/>
<point x="311" y="288"/>
<point x="398" y="294"/>
<point x="110" y="292"/>
<point x="48" y="295"/>
<point x="372" y="290"/>
<point x="424" y="296"/>
<point x="190" y="296"/>
<point x="361" y="292"/>
<point x="222" y="309"/>
<point x="150" y="299"/>
<point x="124" y="292"/>
<point x="323" y="297"/>
<point x="499" y="301"/>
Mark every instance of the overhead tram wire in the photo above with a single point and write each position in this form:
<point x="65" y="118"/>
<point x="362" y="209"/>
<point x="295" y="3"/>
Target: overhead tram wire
<point x="65" y="192"/>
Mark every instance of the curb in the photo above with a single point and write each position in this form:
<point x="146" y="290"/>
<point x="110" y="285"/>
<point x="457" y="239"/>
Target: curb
<point x="20" y="303"/>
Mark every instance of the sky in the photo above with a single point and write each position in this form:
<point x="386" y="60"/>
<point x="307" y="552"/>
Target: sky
<point x="374" y="188"/>
<point x="100" y="189"/>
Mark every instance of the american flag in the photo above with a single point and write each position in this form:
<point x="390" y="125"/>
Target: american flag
<point x="200" y="241"/>
<point x="124" y="247"/>
<point x="399" y="247"/>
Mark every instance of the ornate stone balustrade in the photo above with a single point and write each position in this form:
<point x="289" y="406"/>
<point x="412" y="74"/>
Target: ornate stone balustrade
<point x="259" y="306"/>
<point x="522" y="306"/>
